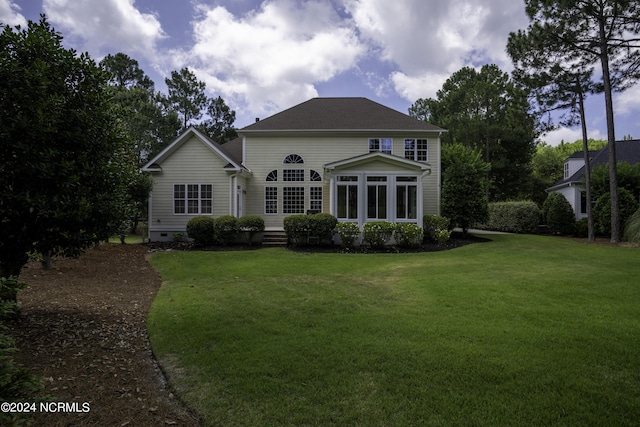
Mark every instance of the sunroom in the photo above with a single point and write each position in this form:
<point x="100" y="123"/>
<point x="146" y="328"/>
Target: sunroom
<point x="377" y="187"/>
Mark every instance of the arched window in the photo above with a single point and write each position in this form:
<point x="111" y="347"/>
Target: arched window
<point x="314" y="176"/>
<point x="272" y="176"/>
<point x="293" y="159"/>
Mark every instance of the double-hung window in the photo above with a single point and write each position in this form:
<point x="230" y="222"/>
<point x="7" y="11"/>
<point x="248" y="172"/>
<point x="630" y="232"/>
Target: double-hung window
<point x="416" y="149"/>
<point x="193" y="199"/>
<point x="383" y="145"/>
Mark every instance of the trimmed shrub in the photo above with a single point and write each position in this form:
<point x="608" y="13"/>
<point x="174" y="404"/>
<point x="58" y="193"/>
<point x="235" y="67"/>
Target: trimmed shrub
<point x="321" y="225"/>
<point x="558" y="214"/>
<point x="250" y="225"/>
<point x="297" y="228"/>
<point x="202" y="230"/>
<point x="514" y="217"/>
<point x="408" y="235"/>
<point x="226" y="229"/>
<point x="377" y="233"/>
<point x="602" y="210"/>
<point x="432" y="224"/>
<point x="443" y="236"/>
<point x="348" y="233"/>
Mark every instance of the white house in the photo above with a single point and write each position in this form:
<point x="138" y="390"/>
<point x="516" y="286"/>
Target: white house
<point x="571" y="186"/>
<point x="351" y="157"/>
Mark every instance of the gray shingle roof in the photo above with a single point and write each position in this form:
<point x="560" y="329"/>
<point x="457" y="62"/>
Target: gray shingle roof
<point x="347" y="114"/>
<point x="626" y="151"/>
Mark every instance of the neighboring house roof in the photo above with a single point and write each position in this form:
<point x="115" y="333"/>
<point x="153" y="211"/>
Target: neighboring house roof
<point x="626" y="151"/>
<point x="228" y="154"/>
<point x="340" y="114"/>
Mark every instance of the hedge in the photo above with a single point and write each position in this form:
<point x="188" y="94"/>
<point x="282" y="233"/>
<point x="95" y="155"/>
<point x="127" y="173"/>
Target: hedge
<point x="202" y="230"/>
<point x="514" y="217"/>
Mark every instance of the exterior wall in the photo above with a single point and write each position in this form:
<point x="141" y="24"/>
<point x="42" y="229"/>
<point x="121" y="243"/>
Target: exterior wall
<point x="572" y="194"/>
<point x="572" y="166"/>
<point x="191" y="163"/>
<point x="265" y="153"/>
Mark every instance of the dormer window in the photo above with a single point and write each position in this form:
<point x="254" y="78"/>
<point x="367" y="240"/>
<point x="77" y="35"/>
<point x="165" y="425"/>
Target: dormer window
<point x="566" y="170"/>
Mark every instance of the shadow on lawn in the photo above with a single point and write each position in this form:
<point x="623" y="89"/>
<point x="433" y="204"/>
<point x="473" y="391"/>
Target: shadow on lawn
<point x="456" y="241"/>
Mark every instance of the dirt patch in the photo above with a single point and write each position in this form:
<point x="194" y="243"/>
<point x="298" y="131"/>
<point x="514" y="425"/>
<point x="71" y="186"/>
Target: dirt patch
<point x="83" y="329"/>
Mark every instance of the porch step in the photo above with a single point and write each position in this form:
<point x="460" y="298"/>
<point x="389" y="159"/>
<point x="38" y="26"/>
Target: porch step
<point x="274" y="238"/>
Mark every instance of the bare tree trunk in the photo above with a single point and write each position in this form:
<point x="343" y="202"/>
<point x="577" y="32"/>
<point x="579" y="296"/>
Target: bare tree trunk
<point x="611" y="135"/>
<point x="587" y="166"/>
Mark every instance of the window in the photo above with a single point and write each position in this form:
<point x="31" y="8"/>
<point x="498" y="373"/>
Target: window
<point x="272" y="176"/>
<point x="293" y="159"/>
<point x="271" y="200"/>
<point x="314" y="176"/>
<point x="383" y="145"/>
<point x="347" y="193"/>
<point x="290" y="175"/>
<point x="192" y="198"/>
<point x="315" y="199"/>
<point x="566" y="170"/>
<point x="416" y="149"/>
<point x="292" y="200"/>
<point x="406" y="197"/>
<point x="377" y="197"/>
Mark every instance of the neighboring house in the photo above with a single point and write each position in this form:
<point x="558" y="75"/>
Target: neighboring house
<point x="351" y="157"/>
<point x="572" y="185"/>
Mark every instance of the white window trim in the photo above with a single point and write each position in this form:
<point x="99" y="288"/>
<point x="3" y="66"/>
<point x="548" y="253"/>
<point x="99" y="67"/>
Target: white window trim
<point x="186" y="199"/>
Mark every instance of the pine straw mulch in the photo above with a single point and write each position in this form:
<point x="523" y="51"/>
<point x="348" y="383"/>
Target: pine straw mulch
<point x="83" y="329"/>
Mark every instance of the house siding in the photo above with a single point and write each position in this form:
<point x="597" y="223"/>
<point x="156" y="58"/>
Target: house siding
<point x="192" y="163"/>
<point x="264" y="153"/>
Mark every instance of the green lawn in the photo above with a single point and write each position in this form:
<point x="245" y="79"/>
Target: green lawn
<point x="524" y="330"/>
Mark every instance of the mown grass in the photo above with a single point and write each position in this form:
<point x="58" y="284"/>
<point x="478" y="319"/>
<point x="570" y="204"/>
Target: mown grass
<point x="524" y="330"/>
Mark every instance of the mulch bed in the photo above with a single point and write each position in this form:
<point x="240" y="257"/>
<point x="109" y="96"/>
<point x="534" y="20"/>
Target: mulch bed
<point x="83" y="329"/>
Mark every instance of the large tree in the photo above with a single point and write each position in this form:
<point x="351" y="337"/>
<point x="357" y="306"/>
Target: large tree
<point x="62" y="151"/>
<point x="219" y="126"/>
<point x="186" y="95"/>
<point x="588" y="33"/>
<point x="486" y="110"/>
<point x="150" y="124"/>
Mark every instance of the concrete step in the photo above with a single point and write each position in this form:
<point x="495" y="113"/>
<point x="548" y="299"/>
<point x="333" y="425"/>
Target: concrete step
<point x="274" y="238"/>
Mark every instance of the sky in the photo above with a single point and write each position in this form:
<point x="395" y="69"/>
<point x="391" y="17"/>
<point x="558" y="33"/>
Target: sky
<point x="263" y="56"/>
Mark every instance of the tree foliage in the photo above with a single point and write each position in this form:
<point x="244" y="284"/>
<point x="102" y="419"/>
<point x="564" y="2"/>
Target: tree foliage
<point x="219" y="126"/>
<point x="464" y="199"/>
<point x="486" y="110"/>
<point x="588" y="33"/>
<point x="186" y="95"/>
<point x="150" y="124"/>
<point x="62" y="150"/>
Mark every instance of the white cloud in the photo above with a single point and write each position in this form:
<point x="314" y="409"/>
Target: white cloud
<point x="107" y="25"/>
<point x="628" y="101"/>
<point x="271" y="58"/>
<point x="429" y="40"/>
<point x="569" y="135"/>
<point x="10" y="14"/>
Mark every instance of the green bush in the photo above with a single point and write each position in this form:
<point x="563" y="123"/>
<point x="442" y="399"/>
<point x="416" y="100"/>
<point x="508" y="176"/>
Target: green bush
<point x="348" y="233"/>
<point x="432" y="224"/>
<point x="377" y="233"/>
<point x="442" y="237"/>
<point x="226" y="229"/>
<point x="602" y="210"/>
<point x="250" y="225"/>
<point x="632" y="228"/>
<point x="202" y="230"/>
<point x="297" y="228"/>
<point x="321" y="225"/>
<point x="16" y="384"/>
<point x="558" y="214"/>
<point x="581" y="228"/>
<point x="514" y="217"/>
<point x="408" y="235"/>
